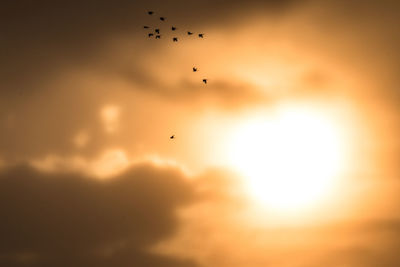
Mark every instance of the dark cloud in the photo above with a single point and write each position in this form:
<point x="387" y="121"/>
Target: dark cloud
<point x="71" y="220"/>
<point x="41" y="38"/>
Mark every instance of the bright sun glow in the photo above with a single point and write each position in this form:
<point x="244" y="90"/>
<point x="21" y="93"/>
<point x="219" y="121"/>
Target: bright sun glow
<point x="290" y="158"/>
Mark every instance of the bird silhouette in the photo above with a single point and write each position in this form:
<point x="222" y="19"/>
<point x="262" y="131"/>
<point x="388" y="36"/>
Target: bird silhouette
<point x="205" y="81"/>
<point x="158" y="36"/>
<point x="172" y="137"/>
<point x="175" y="39"/>
<point x="189" y="33"/>
<point x="173" y="28"/>
<point x="151" y="34"/>
<point x="150" y="12"/>
<point x="194" y="69"/>
<point x="157" y="31"/>
<point x="162" y="18"/>
<point x="201" y="35"/>
<point x="146" y="27"/>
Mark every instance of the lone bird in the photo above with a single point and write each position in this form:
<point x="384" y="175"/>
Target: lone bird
<point x="172" y="137"/>
<point x="194" y="69"/>
<point x="173" y="28"/>
<point x="146" y="27"/>
<point x="162" y="18"/>
<point x="201" y="35"/>
<point x="189" y="33"/>
<point x="157" y="31"/>
<point x="151" y="34"/>
<point x="205" y="81"/>
<point x="158" y="36"/>
<point x="150" y="12"/>
<point x="175" y="39"/>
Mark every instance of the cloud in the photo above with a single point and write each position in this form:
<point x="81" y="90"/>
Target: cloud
<point x="43" y="38"/>
<point x="108" y="164"/>
<point x="66" y="219"/>
<point x="62" y="62"/>
<point x="219" y="92"/>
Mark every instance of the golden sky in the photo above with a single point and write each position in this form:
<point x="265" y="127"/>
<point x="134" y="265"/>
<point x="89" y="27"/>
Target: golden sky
<point x="287" y="157"/>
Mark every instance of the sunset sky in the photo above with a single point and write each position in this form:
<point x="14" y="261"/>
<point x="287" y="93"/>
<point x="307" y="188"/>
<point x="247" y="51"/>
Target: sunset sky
<point x="287" y="157"/>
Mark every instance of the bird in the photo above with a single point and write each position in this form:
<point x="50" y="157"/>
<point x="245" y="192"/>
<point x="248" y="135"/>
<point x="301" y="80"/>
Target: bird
<point x="157" y="31"/>
<point x="201" y="35"/>
<point x="173" y="28"/>
<point x="194" y="69"/>
<point x="158" y="36"/>
<point x="175" y="39"/>
<point x="151" y="34"/>
<point x="146" y="27"/>
<point x="205" y="81"/>
<point x="162" y="18"/>
<point x="189" y="33"/>
<point x="150" y="12"/>
<point x="172" y="137"/>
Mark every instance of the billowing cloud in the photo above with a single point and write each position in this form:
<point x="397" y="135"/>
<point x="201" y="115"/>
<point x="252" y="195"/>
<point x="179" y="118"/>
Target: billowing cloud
<point x="66" y="219"/>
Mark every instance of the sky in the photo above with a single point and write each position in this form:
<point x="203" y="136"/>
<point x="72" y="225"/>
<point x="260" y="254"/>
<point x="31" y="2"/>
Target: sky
<point x="287" y="157"/>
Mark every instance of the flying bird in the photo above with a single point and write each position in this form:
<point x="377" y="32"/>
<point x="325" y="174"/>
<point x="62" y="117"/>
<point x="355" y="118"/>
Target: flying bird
<point x="150" y="12"/>
<point x="162" y="18"/>
<point x="201" y="35"/>
<point x="146" y="27"/>
<point x="194" y="69"/>
<point x="189" y="33"/>
<point x="205" y="81"/>
<point x="151" y="34"/>
<point x="158" y="36"/>
<point x="173" y="28"/>
<point x="157" y="31"/>
<point x="172" y="137"/>
<point x="175" y="39"/>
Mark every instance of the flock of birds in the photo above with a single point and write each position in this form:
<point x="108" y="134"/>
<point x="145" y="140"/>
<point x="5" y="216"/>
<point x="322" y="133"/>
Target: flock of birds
<point x="156" y="34"/>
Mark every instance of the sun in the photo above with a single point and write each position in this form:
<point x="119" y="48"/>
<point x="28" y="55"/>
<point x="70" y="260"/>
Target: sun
<point x="289" y="159"/>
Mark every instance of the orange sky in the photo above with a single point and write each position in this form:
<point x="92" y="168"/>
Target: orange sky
<point x="288" y="156"/>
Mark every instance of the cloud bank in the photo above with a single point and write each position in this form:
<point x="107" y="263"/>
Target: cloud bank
<point x="60" y="219"/>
